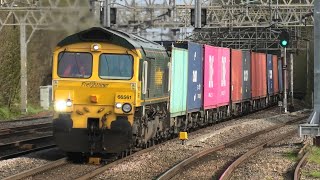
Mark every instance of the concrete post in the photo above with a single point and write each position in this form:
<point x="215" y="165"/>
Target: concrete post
<point x="23" y="70"/>
<point x="285" y="98"/>
<point x="197" y="14"/>
<point x="106" y="13"/>
<point x="291" y="78"/>
<point x="316" y="92"/>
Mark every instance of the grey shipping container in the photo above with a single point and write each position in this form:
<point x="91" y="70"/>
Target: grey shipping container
<point x="280" y="75"/>
<point x="246" y="80"/>
<point x="195" y="76"/>
<point x="270" y="74"/>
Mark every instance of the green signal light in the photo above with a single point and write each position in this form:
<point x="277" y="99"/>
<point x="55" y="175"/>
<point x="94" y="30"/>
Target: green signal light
<point x="284" y="42"/>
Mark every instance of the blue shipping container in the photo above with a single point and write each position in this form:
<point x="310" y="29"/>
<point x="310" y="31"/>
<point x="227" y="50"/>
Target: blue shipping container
<point x="246" y="80"/>
<point x="270" y="74"/>
<point x="280" y="75"/>
<point x="195" y="79"/>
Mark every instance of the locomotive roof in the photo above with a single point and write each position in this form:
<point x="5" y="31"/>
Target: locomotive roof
<point x="99" y="34"/>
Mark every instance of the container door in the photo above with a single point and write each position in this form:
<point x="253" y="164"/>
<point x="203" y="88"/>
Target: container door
<point x="216" y="77"/>
<point x="280" y="75"/>
<point x="246" y="77"/>
<point x="236" y="75"/>
<point x="224" y="92"/>
<point x="178" y="92"/>
<point x="210" y="61"/>
<point x="263" y="74"/>
<point x="195" y="79"/>
<point x="275" y="74"/>
<point x="270" y="74"/>
<point x="254" y="75"/>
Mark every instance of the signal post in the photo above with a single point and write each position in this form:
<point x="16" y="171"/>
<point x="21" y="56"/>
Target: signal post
<point x="284" y="42"/>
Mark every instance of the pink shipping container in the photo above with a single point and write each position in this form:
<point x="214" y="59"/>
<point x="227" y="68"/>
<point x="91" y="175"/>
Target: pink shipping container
<point x="216" y="76"/>
<point x="258" y="75"/>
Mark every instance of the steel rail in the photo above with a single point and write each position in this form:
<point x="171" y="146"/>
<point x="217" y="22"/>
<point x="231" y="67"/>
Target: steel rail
<point x="14" y="155"/>
<point x="5" y="146"/>
<point x="228" y="172"/>
<point x="302" y="162"/>
<point x="108" y="166"/>
<point x="25" y="118"/>
<point x="97" y="171"/>
<point x="21" y="130"/>
<point x="26" y="127"/>
<point x="37" y="170"/>
<point x="180" y="166"/>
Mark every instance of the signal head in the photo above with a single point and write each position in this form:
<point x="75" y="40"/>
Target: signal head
<point x="284" y="38"/>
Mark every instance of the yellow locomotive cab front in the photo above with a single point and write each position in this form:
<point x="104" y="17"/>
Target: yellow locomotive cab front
<point x="95" y="85"/>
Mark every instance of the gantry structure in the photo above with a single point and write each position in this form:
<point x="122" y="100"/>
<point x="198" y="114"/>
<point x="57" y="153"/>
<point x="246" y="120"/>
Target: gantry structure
<point x="245" y="24"/>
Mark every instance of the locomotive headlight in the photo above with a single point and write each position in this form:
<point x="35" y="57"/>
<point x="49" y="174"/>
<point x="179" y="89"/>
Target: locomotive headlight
<point x="118" y="105"/>
<point x="126" y="108"/>
<point x="60" y="105"/>
<point x="95" y="47"/>
<point x="68" y="103"/>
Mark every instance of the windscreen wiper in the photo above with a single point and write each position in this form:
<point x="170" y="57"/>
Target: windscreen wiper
<point x="63" y="52"/>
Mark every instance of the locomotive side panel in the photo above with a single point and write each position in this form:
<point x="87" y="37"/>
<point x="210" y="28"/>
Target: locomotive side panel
<point x="179" y="75"/>
<point x="195" y="77"/>
<point x="157" y="85"/>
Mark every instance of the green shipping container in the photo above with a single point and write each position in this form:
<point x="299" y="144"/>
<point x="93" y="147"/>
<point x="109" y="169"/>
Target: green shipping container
<point x="179" y="75"/>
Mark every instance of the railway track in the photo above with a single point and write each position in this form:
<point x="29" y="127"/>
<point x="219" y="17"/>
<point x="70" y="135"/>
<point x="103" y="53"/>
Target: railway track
<point x="175" y="170"/>
<point x="301" y="163"/>
<point x="92" y="171"/>
<point x="24" y="130"/>
<point x="26" y="119"/>
<point x="18" y="148"/>
<point x="89" y="172"/>
<point x="228" y="172"/>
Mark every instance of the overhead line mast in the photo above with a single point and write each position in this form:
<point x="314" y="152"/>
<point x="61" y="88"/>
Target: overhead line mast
<point x="36" y="15"/>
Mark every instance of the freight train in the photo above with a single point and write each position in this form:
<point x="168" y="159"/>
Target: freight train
<point x="114" y="91"/>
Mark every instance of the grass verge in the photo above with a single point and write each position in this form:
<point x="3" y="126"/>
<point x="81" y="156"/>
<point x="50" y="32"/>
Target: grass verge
<point x="291" y="155"/>
<point x="315" y="155"/>
<point x="14" y="113"/>
<point x="314" y="174"/>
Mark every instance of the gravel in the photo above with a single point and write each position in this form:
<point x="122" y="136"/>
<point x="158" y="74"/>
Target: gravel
<point x="275" y="162"/>
<point x="147" y="165"/>
<point x="215" y="164"/>
<point x="151" y="164"/>
<point x="65" y="172"/>
<point x="16" y="165"/>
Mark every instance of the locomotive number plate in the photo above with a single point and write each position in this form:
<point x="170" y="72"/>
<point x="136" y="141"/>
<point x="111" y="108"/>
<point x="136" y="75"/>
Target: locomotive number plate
<point x="124" y="97"/>
<point x="127" y="97"/>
